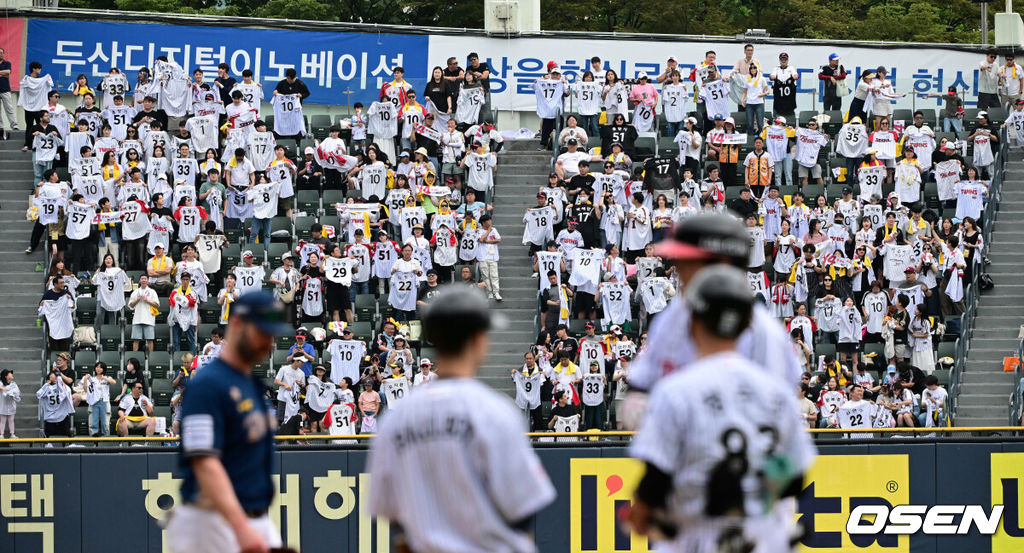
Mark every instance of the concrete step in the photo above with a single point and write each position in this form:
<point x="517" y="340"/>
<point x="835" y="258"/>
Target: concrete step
<point x="985" y="388"/>
<point x="972" y="421"/>
<point x="974" y="377"/>
<point x="990" y="411"/>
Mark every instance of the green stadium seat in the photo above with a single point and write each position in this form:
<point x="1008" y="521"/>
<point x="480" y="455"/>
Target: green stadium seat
<point x="362" y="330"/>
<point x="110" y="337"/>
<point x="366" y="307"/>
<point x="113" y="361"/>
<point x="162" y="391"/>
<point x="85" y="360"/>
<point x="281" y="230"/>
<point x="307" y="201"/>
<point x="159" y="364"/>
<point x="85" y="310"/>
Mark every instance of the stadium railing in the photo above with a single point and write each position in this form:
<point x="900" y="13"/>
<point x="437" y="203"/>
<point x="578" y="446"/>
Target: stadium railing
<point x="1016" y="400"/>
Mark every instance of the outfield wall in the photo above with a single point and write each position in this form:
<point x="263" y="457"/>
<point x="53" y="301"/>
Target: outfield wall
<point x="68" y="502"/>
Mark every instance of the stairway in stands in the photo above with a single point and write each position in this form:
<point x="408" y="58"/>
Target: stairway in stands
<point x="985" y="388"/>
<point x="21" y="341"/>
<point x="522" y="170"/>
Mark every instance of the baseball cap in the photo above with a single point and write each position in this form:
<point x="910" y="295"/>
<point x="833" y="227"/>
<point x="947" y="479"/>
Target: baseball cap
<point x="161" y="176"/>
<point x="847" y="190"/>
<point x="867" y="74"/>
<point x="856" y="120"/>
<point x="552" y="66"/>
<point x="247" y="253"/>
<point x="891" y="369"/>
<point x="982" y="114"/>
<point x="159" y="245"/>
<point x="949" y="145"/>
<point x="571" y="141"/>
<point x="425" y="362"/>
<point x="641" y="75"/>
<point x="319" y="368"/>
<point x="870" y="151"/>
<point x="287" y="255"/>
<point x="882" y="69"/>
<point x="432" y="272"/>
<point x="301" y="333"/>
<point x="404" y="154"/>
<point x="706" y="236"/>
<point x="780" y="120"/>
<point x="589" y="324"/>
<point x="541" y="195"/>
<point x="673" y="58"/>
<point x="573" y="222"/>
<point x="186" y="274"/>
<point x="552" y="174"/>
<point x="910" y="270"/>
<point x="595" y="364"/>
<point x="1019" y="102"/>
<point x="616" y="330"/>
<point x="309" y="150"/>
<point x="692" y="120"/>
<point x="833" y="56"/>
<point x="263" y="310"/>
<point x="718" y="117"/>
<point x="783" y="56"/>
<point x="179" y="181"/>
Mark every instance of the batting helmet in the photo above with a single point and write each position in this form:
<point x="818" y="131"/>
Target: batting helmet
<point x="720" y="297"/>
<point x="708" y="236"/>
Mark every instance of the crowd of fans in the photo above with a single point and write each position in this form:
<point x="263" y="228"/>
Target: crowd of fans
<point x="864" y="221"/>
<point x="865" y="256"/>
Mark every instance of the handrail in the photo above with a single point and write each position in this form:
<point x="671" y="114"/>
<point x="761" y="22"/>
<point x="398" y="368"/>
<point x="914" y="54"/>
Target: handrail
<point x="590" y="435"/>
<point x="972" y="291"/>
<point x="1016" y="399"/>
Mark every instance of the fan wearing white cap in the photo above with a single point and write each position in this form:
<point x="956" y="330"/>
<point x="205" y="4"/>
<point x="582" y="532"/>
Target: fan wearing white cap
<point x="644" y="98"/>
<point x="671" y="65"/>
<point x="549" y="90"/>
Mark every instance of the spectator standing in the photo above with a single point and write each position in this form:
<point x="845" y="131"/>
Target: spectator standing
<point x="785" y="81"/>
<point x="291" y="84"/>
<point x="481" y="72"/>
<point x="10" y="395"/>
<point x="1011" y="82"/>
<point x="55" y="405"/>
<point x="32" y="97"/>
<point x="6" y="106"/>
<point x="549" y="90"/>
<point x="57" y="307"/>
<point x="184" y="315"/>
<point x="487" y="257"/>
<point x="988" y="81"/>
<point x="146" y="305"/>
<point x="833" y="78"/>
<point x="595" y="408"/>
<point x="369" y="406"/>
<point x="302" y="350"/>
<point x="97" y="395"/>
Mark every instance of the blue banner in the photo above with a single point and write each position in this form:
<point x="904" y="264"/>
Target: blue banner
<point x="338" y="68"/>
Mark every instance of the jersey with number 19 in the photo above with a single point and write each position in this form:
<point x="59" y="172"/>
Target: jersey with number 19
<point x="457" y="475"/>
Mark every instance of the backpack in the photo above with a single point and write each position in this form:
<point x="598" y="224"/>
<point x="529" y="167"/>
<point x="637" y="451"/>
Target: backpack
<point x="985" y="281"/>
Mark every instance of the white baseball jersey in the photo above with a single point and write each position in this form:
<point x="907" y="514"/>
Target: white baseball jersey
<point x="455" y="474"/>
<point x="345" y="358"/>
<point x="288" y="119"/>
<point x="593" y="389"/>
<point x="203" y="132"/>
<point x="340" y="420"/>
<point x="528" y="388"/>
<point x="589" y="94"/>
<point x="264" y="199"/>
<point x="115" y="84"/>
<point x="58" y="316"/>
<point x="673" y="97"/>
<point x="852" y="142"/>
<point x="79" y="220"/>
<point x="396" y="389"/>
<point x="261" y="148"/>
<point x="615" y="303"/>
<point x="467" y="108"/>
<point x="383" y="120"/>
<point x="765" y="342"/>
<point x="983" y="150"/>
<point x="969" y="198"/>
<point x="55" y="401"/>
<point x="652" y="292"/>
<point x="875" y="305"/>
<point x="549" y="261"/>
<point x="698" y="423"/>
<point x="850" y="325"/>
<point x="539" y="227"/>
<point x="339" y="269"/>
<point x="586" y="266"/>
<point x="96" y="390"/>
<point x="110" y="288"/>
<point x="856" y="414"/>
<point x="319" y="394"/>
<point x="808" y="143"/>
<point x="871" y="179"/>
<point x="590" y="350"/>
<point x="827" y="312"/>
<point x="313" y="297"/>
<point x="402" y="295"/>
<point x="716" y="98"/>
<point x="480" y="169"/>
<point x="373" y="179"/>
<point x="250" y="279"/>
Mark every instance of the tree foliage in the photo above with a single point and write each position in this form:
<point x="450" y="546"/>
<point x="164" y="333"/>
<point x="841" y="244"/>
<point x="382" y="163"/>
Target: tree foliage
<point x="955" y="21"/>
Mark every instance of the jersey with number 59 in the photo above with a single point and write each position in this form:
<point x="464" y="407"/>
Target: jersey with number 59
<point x="715" y="428"/>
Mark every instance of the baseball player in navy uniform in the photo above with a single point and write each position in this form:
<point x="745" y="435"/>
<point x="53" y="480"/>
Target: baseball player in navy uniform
<point x="722" y="440"/>
<point x="699" y="241"/>
<point x="227" y="441"/>
<point x="453" y="467"/>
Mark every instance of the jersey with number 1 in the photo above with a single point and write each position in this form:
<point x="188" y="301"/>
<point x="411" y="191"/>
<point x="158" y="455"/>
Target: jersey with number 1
<point x="383" y="120"/>
<point x="288" y="119"/>
<point x="396" y="389"/>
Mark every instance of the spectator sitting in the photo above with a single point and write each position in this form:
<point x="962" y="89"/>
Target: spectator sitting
<point x="135" y="412"/>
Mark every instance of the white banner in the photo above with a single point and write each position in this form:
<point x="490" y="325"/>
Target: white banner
<point x="516" y="63"/>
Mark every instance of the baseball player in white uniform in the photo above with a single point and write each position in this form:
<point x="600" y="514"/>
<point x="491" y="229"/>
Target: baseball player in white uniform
<point x="457" y="475"/>
<point x="699" y="241"/>
<point x="722" y="440"/>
